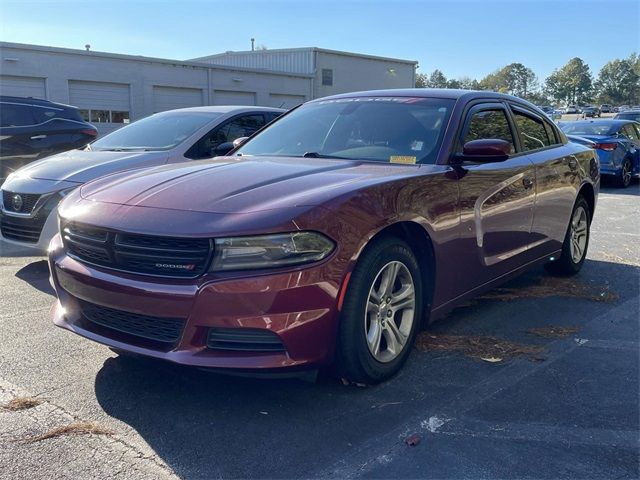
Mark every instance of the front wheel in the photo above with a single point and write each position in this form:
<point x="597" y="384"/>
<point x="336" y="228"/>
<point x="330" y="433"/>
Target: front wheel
<point x="576" y="241"/>
<point x="381" y="313"/>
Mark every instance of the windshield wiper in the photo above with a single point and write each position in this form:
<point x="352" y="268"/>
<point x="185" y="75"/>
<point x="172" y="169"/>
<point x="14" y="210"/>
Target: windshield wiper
<point x="127" y="149"/>
<point x="322" y="155"/>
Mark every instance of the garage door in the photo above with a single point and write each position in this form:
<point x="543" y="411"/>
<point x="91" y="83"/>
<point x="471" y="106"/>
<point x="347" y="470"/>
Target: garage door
<point x="106" y="105"/>
<point x="22" y="86"/>
<point x="282" y="100"/>
<point x="228" y="97"/>
<point x="168" y="98"/>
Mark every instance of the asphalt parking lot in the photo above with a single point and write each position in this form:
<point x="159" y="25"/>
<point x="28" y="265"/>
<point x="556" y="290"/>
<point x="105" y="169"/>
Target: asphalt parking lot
<point x="566" y="408"/>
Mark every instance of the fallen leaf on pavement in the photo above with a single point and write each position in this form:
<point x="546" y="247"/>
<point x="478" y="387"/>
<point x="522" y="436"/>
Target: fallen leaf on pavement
<point x="412" y="440"/>
<point x="491" y="359"/>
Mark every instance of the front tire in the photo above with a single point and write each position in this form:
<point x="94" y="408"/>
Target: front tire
<point x="381" y="313"/>
<point x="576" y="241"/>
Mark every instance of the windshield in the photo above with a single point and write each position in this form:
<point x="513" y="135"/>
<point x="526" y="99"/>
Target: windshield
<point x="382" y="129"/>
<point x="161" y="131"/>
<point x="578" y="128"/>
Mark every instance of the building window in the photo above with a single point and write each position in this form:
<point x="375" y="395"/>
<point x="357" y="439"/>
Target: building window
<point x="327" y="76"/>
<point x="105" y="116"/>
<point x="119" y="117"/>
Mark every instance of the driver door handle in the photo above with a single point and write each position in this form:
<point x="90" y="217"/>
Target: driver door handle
<point x="38" y="137"/>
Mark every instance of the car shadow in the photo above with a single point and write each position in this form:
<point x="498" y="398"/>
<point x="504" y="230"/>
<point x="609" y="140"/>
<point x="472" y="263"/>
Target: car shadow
<point x="209" y="425"/>
<point x="607" y="186"/>
<point x="36" y="274"/>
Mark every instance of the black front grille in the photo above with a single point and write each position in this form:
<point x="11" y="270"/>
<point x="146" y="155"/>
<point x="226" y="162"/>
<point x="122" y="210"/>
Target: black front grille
<point x="23" y="229"/>
<point x="25" y="203"/>
<point x="244" y="339"/>
<point x="158" y="329"/>
<point x="146" y="254"/>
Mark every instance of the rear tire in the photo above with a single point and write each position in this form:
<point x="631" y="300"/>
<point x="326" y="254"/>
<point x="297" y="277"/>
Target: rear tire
<point x="624" y="179"/>
<point x="381" y="313"/>
<point x="576" y="241"/>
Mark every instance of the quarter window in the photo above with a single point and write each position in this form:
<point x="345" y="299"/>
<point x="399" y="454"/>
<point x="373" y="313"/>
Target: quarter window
<point x="532" y="132"/>
<point x="629" y="132"/>
<point x="487" y="124"/>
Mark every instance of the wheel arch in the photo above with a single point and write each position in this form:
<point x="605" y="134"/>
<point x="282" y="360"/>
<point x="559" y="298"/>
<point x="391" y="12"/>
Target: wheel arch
<point x="587" y="191"/>
<point x="418" y="239"/>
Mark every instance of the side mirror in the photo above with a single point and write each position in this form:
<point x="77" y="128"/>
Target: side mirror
<point x="222" y="149"/>
<point x="239" y="141"/>
<point x="485" y="150"/>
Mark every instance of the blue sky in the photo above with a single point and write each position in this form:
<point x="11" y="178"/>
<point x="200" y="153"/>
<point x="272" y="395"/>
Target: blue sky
<point x="470" y="37"/>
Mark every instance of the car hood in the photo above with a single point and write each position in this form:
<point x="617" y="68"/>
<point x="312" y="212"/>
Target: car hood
<point x="81" y="166"/>
<point x="250" y="184"/>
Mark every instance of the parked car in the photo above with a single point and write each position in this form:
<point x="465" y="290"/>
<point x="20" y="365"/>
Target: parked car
<point x="617" y="143"/>
<point x="591" y="112"/>
<point x="623" y="108"/>
<point x="31" y="129"/>
<point x="572" y="109"/>
<point x="628" y="115"/>
<point x="327" y="237"/>
<point x="605" y="108"/>
<point x="30" y="196"/>
<point x="546" y="109"/>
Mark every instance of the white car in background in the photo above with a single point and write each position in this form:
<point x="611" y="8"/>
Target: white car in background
<point x="30" y="196"/>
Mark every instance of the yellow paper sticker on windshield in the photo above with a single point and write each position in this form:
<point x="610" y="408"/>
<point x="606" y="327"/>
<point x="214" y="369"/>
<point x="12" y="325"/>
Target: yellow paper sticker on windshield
<point x="406" y="159"/>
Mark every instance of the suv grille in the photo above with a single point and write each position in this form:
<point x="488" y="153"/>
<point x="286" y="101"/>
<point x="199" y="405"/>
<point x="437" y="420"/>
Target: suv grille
<point x="244" y="339"/>
<point x="145" y="254"/>
<point x="25" y="204"/>
<point x="159" y="329"/>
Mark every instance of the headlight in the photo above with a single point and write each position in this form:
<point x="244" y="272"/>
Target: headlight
<point x="269" y="251"/>
<point x="66" y="191"/>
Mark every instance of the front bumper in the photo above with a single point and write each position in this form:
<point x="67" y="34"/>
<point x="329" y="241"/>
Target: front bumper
<point x="11" y="247"/>
<point x="300" y="307"/>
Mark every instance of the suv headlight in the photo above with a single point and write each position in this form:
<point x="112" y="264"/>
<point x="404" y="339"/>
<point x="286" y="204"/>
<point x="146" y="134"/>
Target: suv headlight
<point x="270" y="251"/>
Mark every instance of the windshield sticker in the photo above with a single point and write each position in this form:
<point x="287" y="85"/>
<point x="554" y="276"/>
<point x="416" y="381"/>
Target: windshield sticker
<point x="406" y="159"/>
<point x="417" y="145"/>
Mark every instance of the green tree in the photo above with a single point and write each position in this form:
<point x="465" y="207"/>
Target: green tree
<point x="437" y="80"/>
<point x="515" y="79"/>
<point x="421" y="80"/>
<point x="618" y="82"/>
<point x="572" y="83"/>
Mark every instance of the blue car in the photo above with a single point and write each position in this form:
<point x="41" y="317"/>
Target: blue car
<point x="617" y="143"/>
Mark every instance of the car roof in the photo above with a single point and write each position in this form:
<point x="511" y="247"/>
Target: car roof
<point x="228" y="109"/>
<point x="602" y="121"/>
<point x="33" y="101"/>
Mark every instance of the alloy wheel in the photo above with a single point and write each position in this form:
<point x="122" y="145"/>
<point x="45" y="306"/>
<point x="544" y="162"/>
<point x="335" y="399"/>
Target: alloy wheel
<point x="578" y="234"/>
<point x="389" y="314"/>
<point x="626" y="173"/>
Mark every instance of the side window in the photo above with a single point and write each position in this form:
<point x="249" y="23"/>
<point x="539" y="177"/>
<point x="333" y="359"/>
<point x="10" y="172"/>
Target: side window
<point x="227" y="132"/>
<point x="239" y="127"/>
<point x="14" y="115"/>
<point x="551" y="133"/>
<point x="489" y="124"/>
<point x="628" y="131"/>
<point x="532" y="132"/>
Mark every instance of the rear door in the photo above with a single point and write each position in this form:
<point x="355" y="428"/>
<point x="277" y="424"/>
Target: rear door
<point x="557" y="177"/>
<point x="496" y="200"/>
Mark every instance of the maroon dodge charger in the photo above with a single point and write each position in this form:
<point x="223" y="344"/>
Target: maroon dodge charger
<point x="327" y="238"/>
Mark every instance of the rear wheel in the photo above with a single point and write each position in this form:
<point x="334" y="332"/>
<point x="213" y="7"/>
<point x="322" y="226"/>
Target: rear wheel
<point x="576" y="241"/>
<point x="381" y="313"/>
<point x="624" y="179"/>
